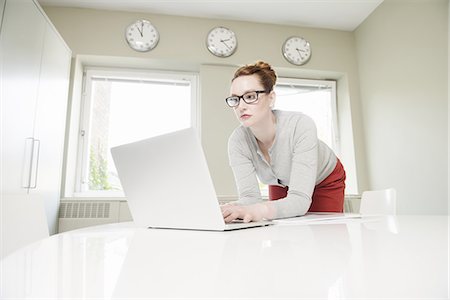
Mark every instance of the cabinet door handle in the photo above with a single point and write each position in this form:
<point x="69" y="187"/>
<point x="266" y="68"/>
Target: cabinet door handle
<point x="27" y="163"/>
<point x="35" y="163"/>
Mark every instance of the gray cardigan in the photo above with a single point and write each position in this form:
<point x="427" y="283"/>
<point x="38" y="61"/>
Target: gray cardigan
<point x="298" y="160"/>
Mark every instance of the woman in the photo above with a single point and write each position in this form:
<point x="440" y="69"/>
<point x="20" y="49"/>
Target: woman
<point x="282" y="149"/>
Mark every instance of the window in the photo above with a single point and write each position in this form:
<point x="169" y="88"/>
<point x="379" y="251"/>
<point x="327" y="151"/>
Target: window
<point x="315" y="98"/>
<point x="121" y="107"/>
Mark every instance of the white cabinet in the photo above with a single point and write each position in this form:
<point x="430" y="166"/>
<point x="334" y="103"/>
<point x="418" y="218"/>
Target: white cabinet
<point x="20" y="57"/>
<point x="50" y="121"/>
<point x="34" y="67"/>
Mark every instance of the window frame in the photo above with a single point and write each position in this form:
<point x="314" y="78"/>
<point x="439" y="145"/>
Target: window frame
<point x="81" y="188"/>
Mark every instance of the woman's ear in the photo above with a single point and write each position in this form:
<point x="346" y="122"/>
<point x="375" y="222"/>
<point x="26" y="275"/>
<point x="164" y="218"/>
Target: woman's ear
<point x="272" y="98"/>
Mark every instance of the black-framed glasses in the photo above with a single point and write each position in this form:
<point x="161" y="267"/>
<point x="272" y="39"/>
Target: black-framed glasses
<point x="249" y="98"/>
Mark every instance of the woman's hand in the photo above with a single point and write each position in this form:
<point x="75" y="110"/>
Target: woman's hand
<point x="254" y="212"/>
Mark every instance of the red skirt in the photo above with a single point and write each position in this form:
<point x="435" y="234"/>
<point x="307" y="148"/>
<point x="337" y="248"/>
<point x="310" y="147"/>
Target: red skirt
<point x="328" y="195"/>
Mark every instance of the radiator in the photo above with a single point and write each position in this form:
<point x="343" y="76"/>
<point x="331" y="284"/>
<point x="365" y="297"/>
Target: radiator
<point x="352" y="203"/>
<point x="74" y="214"/>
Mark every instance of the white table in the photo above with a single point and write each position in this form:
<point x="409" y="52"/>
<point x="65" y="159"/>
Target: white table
<point x="375" y="257"/>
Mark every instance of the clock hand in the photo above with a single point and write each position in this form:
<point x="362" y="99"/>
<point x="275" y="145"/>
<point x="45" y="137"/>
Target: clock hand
<point x="223" y="41"/>
<point x="140" y="31"/>
<point x="300" y="52"/>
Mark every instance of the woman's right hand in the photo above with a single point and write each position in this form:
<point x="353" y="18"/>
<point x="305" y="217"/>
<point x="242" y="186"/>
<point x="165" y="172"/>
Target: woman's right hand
<point x="247" y="213"/>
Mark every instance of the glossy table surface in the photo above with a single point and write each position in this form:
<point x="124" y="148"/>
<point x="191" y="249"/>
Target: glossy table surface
<point x="372" y="257"/>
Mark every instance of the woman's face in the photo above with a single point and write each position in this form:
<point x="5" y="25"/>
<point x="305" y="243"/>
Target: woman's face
<point x="251" y="114"/>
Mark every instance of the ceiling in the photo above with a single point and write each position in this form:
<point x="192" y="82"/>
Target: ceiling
<point x="330" y="14"/>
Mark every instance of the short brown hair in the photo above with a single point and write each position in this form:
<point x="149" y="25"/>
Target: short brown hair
<point x="266" y="74"/>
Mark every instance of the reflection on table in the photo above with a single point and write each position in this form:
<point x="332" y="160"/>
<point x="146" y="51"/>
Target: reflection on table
<point x="373" y="257"/>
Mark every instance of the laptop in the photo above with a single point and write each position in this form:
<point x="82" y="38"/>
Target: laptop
<point x="168" y="185"/>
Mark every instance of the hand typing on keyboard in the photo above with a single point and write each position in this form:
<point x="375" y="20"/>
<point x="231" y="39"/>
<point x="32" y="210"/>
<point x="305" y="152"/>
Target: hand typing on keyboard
<point x="248" y="213"/>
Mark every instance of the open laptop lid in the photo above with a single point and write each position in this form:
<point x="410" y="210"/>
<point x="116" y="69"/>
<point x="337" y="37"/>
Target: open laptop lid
<point x="167" y="182"/>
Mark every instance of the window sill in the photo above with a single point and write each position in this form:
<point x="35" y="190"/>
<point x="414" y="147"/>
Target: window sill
<point x="112" y="197"/>
<point x="98" y="194"/>
<point x="95" y="198"/>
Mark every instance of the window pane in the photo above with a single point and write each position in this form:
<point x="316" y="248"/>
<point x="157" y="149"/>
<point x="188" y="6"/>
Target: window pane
<point x="124" y="111"/>
<point x="315" y="102"/>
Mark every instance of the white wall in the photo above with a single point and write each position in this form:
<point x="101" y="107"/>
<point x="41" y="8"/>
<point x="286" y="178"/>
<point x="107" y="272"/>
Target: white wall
<point x="2" y="7"/>
<point x="402" y="55"/>
<point x="97" y="37"/>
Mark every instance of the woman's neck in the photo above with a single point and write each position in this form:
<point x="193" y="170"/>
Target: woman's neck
<point x="265" y="131"/>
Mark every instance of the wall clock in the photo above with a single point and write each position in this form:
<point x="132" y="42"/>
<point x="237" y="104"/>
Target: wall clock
<point x="296" y="50"/>
<point x="221" y="41"/>
<point x="142" y="36"/>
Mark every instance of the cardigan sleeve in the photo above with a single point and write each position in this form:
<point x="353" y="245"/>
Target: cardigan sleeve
<point x="241" y="163"/>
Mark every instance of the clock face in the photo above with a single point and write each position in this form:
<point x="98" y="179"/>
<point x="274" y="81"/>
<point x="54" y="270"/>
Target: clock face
<point x="142" y="36"/>
<point x="296" y="50"/>
<point x="221" y="42"/>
